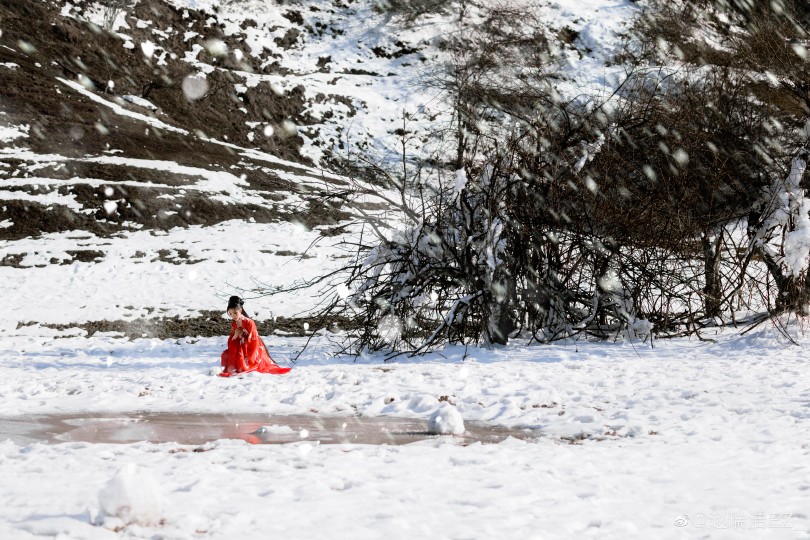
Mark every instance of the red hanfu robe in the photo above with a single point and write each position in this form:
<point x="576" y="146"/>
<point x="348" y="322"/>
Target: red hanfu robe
<point x="247" y="353"/>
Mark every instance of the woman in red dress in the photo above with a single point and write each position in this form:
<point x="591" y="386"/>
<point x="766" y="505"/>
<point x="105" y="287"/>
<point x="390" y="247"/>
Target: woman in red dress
<point x="246" y="351"/>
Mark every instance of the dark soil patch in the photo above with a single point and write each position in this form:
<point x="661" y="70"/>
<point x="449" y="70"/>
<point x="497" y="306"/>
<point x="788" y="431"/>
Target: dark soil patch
<point x="322" y="212"/>
<point x="294" y="17"/>
<point x="334" y="98"/>
<point x="357" y="71"/>
<point x="373" y="206"/>
<point x="265" y="181"/>
<point x="145" y="206"/>
<point x="179" y="256"/>
<point x="85" y="255"/>
<point x="400" y="51"/>
<point x="66" y="170"/>
<point x="133" y="205"/>
<point x="209" y="324"/>
<point x="286" y="253"/>
<point x="142" y="205"/>
<point x="64" y="121"/>
<point x="31" y="219"/>
<point x="289" y="39"/>
<point x="333" y="231"/>
<point x="152" y="205"/>
<point x="13" y="260"/>
<point x="323" y="63"/>
<point x="568" y="35"/>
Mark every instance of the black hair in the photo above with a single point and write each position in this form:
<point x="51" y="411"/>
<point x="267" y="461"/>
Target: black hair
<point x="236" y="302"/>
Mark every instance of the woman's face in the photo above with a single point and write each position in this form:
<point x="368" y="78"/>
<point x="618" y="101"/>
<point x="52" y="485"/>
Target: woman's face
<point x="235" y="313"/>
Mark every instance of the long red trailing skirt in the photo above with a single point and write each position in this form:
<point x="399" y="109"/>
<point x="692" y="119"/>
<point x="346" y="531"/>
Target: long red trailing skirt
<point x="248" y="353"/>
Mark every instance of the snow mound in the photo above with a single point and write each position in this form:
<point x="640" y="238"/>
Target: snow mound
<point x="274" y="429"/>
<point x="133" y="496"/>
<point x="446" y="420"/>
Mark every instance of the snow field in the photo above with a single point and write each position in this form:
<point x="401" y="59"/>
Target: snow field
<point x="750" y="390"/>
<point x="131" y="274"/>
<point x="670" y="442"/>
<point x="436" y="489"/>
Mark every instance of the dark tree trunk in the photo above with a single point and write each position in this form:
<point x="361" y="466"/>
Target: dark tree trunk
<point x="793" y="292"/>
<point x="501" y="317"/>
<point x="712" y="291"/>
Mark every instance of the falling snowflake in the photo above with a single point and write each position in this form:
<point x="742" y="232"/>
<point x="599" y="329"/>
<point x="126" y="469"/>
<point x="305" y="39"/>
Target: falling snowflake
<point x="195" y="87"/>
<point x="389" y="328"/>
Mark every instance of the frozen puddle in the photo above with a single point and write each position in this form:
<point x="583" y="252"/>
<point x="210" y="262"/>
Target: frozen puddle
<point x="184" y="428"/>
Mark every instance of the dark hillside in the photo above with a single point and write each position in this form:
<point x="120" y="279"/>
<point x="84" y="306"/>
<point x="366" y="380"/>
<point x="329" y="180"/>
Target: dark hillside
<point x="79" y="89"/>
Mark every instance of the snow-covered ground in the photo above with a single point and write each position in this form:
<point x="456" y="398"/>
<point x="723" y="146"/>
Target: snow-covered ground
<point x="431" y="489"/>
<point x="687" y="439"/>
<point x="134" y="281"/>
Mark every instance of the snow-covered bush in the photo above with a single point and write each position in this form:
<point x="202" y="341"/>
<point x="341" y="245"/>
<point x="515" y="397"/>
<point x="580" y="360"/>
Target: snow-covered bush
<point x="765" y="45"/>
<point x="552" y="216"/>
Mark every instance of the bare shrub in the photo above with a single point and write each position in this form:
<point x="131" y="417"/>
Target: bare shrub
<point x="675" y="203"/>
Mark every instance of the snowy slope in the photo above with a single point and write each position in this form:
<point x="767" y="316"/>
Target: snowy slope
<point x="169" y="223"/>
